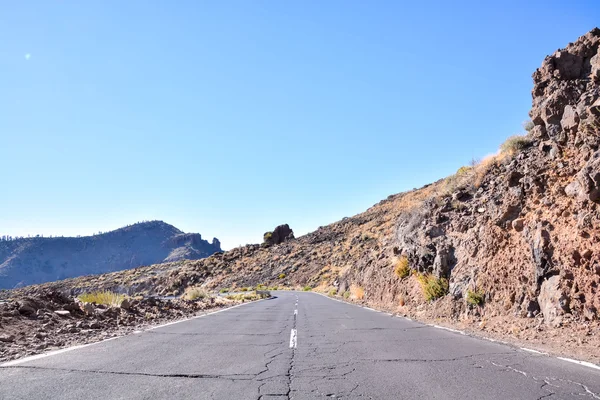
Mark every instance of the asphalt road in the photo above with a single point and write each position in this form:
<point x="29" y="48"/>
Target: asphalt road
<point x="339" y="351"/>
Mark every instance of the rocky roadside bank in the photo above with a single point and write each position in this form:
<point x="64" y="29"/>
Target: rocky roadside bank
<point x="50" y="320"/>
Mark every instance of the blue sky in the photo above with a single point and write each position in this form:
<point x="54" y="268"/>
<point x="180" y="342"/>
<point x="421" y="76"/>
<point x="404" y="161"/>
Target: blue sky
<point x="230" y="117"/>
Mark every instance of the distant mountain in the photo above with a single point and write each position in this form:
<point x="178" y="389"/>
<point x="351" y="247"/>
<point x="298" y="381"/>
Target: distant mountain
<point x="27" y="261"/>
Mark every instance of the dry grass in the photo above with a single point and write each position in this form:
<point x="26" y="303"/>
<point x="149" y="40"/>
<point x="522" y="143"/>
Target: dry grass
<point x="515" y="144"/>
<point x="357" y="292"/>
<point x="484" y="167"/>
<point x="248" y="296"/>
<point x="402" y="269"/>
<point x="194" y="293"/>
<point x="106" y="297"/>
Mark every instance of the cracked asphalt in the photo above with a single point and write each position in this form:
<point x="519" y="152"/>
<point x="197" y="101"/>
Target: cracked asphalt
<point x="342" y="352"/>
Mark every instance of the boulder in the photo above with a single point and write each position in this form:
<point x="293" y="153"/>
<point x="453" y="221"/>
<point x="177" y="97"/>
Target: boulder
<point x="570" y="119"/>
<point x="553" y="302"/>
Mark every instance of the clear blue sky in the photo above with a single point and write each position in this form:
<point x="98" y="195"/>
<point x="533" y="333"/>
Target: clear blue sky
<point x="230" y="117"/>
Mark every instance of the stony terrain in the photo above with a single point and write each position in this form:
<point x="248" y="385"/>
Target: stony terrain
<point x="27" y="261"/>
<point x="48" y="320"/>
<point x="508" y="247"/>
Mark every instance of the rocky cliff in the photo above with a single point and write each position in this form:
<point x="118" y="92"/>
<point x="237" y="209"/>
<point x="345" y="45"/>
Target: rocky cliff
<point x="35" y="260"/>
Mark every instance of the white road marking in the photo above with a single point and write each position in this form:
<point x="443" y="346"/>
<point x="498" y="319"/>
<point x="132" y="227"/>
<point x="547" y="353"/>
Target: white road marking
<point x="295" y="312"/>
<point x="533" y="351"/>
<point x="449" y="329"/>
<point x="584" y="363"/>
<point x="293" y="339"/>
<point x="80" y="346"/>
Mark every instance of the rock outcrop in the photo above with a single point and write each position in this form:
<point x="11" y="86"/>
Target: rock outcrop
<point x="279" y="235"/>
<point x="35" y="260"/>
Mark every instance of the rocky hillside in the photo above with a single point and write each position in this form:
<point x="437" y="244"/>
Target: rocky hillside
<point x="28" y="261"/>
<point x="508" y="247"/>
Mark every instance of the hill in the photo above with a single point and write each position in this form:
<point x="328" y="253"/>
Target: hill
<point x="27" y="261"/>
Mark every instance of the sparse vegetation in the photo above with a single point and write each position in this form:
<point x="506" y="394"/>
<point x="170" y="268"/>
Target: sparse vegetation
<point x="267" y="237"/>
<point x="248" y="296"/>
<point x="307" y="288"/>
<point x="346" y="294"/>
<point x="475" y="297"/>
<point x="194" y="293"/>
<point x="244" y="289"/>
<point x="528" y="125"/>
<point x="402" y="269"/>
<point x="432" y="286"/>
<point x="515" y="144"/>
<point x="333" y="292"/>
<point x="281" y="276"/>
<point x="357" y="292"/>
<point x="106" y="298"/>
<point x="224" y="290"/>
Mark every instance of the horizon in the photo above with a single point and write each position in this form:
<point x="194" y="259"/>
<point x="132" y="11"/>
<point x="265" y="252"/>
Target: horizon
<point x="229" y="121"/>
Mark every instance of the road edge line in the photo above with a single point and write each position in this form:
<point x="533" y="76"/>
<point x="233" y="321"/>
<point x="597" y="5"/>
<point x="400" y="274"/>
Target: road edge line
<point x="540" y="353"/>
<point x="80" y="346"/>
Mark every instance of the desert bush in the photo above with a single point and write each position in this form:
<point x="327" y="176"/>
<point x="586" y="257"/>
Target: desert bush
<point x="475" y="297"/>
<point x="402" y="269"/>
<point x="357" y="292"/>
<point x="346" y="294"/>
<point x="307" y="288"/>
<point x="224" y="290"/>
<point x="432" y="286"/>
<point x="515" y="144"/>
<point x="244" y="289"/>
<point x="194" y="293"/>
<point x="333" y="292"/>
<point x="281" y="276"/>
<point x="106" y="298"/>
<point x="528" y="125"/>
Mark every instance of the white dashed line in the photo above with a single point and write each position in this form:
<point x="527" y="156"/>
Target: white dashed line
<point x="293" y="339"/>
<point x="295" y="312"/>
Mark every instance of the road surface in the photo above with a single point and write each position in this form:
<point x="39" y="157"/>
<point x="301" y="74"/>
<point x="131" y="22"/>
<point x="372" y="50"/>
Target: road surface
<point x="298" y="346"/>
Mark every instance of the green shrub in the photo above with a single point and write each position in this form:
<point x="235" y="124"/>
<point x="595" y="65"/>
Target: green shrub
<point x="475" y="297"/>
<point x="432" y="286"/>
<point x="307" y="288"/>
<point x="515" y="144"/>
<point x="106" y="298"/>
<point x="244" y="289"/>
<point x="333" y="292"/>
<point x="346" y="294"/>
<point x="402" y="270"/>
<point x="281" y="276"/>
<point x="224" y="290"/>
<point x="267" y="237"/>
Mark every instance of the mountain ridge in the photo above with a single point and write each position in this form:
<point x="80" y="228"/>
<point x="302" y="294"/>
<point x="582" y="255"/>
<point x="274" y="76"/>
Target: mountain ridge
<point x="25" y="261"/>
